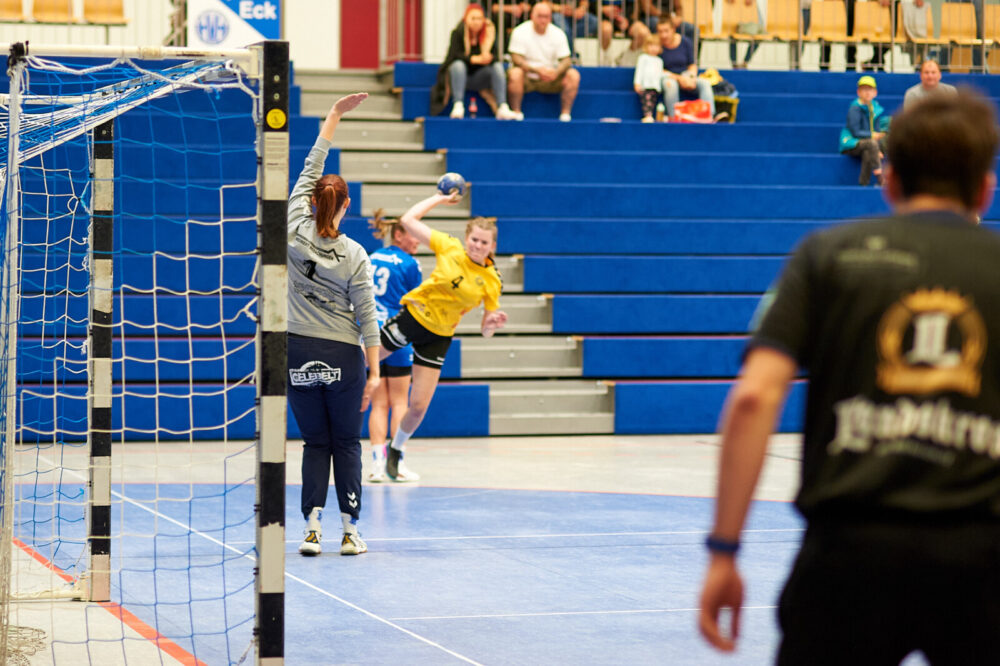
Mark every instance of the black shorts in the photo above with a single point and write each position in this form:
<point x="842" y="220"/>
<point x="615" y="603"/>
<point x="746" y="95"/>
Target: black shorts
<point x="865" y="593"/>
<point x="429" y="349"/>
<point x="395" y="370"/>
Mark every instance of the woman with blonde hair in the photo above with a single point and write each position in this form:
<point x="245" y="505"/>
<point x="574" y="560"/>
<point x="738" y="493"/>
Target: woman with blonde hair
<point x="464" y="276"/>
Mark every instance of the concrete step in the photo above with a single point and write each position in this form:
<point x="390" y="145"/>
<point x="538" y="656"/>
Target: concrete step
<point x="525" y="314"/>
<point x="392" y="167"/>
<point x="378" y="106"/>
<point x="397" y="199"/>
<point x="521" y="356"/>
<point x="511" y="267"/>
<point x="378" y="135"/>
<point x="552" y="424"/>
<point x="551" y="407"/>
<point x="344" y="80"/>
<point x="557" y="395"/>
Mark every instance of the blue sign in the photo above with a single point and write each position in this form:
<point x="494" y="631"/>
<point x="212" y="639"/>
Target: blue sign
<point x="264" y="16"/>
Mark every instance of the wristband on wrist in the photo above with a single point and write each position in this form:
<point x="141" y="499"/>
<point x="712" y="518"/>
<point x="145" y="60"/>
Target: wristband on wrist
<point x="722" y="546"/>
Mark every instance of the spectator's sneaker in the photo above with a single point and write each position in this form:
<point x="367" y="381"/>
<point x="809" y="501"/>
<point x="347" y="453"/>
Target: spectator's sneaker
<point x="352" y="544"/>
<point x="313" y="534"/>
<point x="647" y="119"/>
<point x="458" y="110"/>
<point x="518" y="115"/>
<point x="565" y="117"/>
<point x="720" y="117"/>
<point x="504" y="113"/>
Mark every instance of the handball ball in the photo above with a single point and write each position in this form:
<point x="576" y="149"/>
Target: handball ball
<point x="451" y="183"/>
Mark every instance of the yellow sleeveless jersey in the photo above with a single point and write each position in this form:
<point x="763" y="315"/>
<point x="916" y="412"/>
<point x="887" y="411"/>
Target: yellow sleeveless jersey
<point x="456" y="285"/>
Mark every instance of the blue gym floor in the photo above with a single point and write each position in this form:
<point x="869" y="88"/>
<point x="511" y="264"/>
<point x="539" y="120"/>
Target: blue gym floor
<point x="456" y="575"/>
<point x="607" y="568"/>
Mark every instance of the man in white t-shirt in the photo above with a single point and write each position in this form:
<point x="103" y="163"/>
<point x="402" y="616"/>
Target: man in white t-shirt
<point x="541" y="62"/>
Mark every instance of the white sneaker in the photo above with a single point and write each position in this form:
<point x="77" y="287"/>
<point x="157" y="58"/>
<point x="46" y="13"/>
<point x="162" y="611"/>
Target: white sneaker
<point x="377" y="473"/>
<point x="504" y="113"/>
<point x="647" y="119"/>
<point x="404" y="474"/>
<point x="565" y="117"/>
<point x="313" y="533"/>
<point x="352" y="544"/>
<point x="458" y="110"/>
<point x="518" y="115"/>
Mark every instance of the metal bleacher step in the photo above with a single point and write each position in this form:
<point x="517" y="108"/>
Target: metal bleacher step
<point x="551" y="407"/>
<point x="379" y="135"/>
<point x="344" y="80"/>
<point x="320" y="89"/>
<point x="525" y="314"/>
<point x="510" y="266"/>
<point x="397" y="199"/>
<point x="521" y="356"/>
<point x="378" y="106"/>
<point x="392" y="167"/>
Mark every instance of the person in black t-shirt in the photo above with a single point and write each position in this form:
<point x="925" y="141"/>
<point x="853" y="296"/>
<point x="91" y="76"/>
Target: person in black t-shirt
<point x="896" y="322"/>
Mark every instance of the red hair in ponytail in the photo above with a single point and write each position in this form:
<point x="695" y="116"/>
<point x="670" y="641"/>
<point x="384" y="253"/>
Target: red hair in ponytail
<point x="329" y="196"/>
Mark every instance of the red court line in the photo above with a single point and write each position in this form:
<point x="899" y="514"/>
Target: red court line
<point x="127" y="618"/>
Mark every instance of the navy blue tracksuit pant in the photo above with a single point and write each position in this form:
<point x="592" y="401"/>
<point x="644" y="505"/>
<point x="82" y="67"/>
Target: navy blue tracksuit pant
<point x="325" y="382"/>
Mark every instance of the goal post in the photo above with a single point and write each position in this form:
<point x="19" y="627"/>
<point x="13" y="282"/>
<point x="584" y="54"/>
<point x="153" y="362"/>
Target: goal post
<point x="143" y="319"/>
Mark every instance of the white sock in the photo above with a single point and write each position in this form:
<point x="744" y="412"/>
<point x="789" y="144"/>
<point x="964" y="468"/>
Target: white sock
<point x="316" y="515"/>
<point x="378" y="453"/>
<point x="400" y="438"/>
<point x="350" y="524"/>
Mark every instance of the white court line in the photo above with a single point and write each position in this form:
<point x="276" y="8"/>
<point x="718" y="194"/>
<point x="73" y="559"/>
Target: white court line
<point x="287" y="575"/>
<point x="571" y="535"/>
<point x="560" y="613"/>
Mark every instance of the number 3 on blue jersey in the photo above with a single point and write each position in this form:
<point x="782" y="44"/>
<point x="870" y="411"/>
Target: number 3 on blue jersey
<point x="381" y="280"/>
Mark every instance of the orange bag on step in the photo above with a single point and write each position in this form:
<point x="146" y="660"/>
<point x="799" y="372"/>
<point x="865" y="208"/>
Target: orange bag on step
<point x="692" y="111"/>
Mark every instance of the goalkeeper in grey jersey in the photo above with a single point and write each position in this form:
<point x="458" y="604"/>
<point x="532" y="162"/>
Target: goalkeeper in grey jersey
<point x="331" y="307"/>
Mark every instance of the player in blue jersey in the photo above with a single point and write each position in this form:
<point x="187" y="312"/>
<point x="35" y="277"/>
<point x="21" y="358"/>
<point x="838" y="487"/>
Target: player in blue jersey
<point x="395" y="273"/>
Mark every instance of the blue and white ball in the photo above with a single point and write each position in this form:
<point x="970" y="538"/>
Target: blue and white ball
<point x="451" y="183"/>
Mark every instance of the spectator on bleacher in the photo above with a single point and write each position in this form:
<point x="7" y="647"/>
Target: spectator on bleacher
<point x="850" y="51"/>
<point x="575" y="19"/>
<point x="930" y="84"/>
<point x="680" y="70"/>
<point x="395" y="273"/>
<point x="648" y="79"/>
<point x="463" y="277"/>
<point x="472" y="61"/>
<point x="541" y="63"/>
<point x="752" y="44"/>
<point x="893" y="320"/>
<point x="514" y="14"/>
<point x="331" y="314"/>
<point x="637" y="34"/>
<point x="864" y="135"/>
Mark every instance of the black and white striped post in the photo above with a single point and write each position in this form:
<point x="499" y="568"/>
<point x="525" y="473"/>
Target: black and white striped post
<point x="272" y="311"/>
<point x="99" y="359"/>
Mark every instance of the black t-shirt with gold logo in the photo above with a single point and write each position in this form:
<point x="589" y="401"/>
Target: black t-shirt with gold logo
<point x="893" y="320"/>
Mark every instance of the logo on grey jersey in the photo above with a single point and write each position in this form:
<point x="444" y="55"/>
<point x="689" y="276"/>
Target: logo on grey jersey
<point x="314" y="373"/>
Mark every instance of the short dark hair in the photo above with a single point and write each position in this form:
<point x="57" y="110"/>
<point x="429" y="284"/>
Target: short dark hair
<point x="944" y="145"/>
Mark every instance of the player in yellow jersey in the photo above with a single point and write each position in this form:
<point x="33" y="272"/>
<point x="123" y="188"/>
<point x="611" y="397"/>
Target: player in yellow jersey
<point x="464" y="277"/>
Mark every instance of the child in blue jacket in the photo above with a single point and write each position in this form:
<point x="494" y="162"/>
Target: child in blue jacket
<point x="864" y="135"/>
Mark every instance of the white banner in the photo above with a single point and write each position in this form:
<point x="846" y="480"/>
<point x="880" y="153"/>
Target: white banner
<point x="220" y="24"/>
